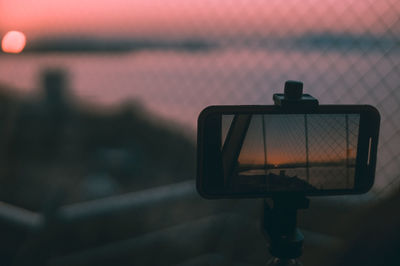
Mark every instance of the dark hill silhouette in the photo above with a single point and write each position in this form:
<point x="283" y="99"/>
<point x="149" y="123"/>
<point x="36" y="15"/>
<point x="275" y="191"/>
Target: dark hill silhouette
<point x="98" y="45"/>
<point x="52" y="144"/>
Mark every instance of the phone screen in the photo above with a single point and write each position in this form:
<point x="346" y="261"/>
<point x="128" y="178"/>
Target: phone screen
<point x="262" y="151"/>
<point x="289" y="152"/>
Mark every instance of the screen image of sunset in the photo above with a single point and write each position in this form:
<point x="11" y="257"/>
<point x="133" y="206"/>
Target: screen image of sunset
<point x="318" y="148"/>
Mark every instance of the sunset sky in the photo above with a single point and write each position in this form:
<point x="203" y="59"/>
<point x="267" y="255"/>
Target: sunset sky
<point x="174" y="18"/>
<point x="285" y="139"/>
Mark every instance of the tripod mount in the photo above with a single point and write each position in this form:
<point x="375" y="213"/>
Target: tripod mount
<point x="279" y="225"/>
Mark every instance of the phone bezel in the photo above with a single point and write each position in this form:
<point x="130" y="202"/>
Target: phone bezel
<point x="208" y="134"/>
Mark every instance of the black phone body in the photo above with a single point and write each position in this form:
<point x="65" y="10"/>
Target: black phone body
<point x="266" y="151"/>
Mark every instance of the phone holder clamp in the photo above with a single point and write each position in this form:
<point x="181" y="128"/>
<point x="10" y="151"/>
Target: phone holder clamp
<point x="293" y="97"/>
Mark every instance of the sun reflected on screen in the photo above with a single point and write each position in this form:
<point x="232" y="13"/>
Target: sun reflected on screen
<point x="13" y="42"/>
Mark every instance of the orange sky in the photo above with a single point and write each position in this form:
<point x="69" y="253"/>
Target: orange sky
<point x="285" y="139"/>
<point x="186" y="17"/>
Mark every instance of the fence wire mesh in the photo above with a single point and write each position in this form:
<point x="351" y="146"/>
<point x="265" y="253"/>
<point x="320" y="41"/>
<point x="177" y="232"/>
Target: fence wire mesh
<point x="319" y="149"/>
<point x="345" y="52"/>
<point x="185" y="55"/>
<point x="241" y="52"/>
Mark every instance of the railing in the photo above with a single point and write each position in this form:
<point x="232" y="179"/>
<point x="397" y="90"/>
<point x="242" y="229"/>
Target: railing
<point x="195" y="231"/>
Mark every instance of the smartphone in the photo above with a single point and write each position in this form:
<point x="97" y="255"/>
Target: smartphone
<point x="262" y="151"/>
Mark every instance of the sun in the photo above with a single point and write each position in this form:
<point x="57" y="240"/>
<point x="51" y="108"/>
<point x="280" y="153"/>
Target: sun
<point x="13" y="42"/>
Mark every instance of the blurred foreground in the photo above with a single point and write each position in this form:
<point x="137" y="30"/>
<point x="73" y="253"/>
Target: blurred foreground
<point x="56" y="152"/>
<point x="85" y="187"/>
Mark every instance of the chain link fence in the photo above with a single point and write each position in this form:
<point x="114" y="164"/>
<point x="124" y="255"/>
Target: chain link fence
<point x="319" y="149"/>
<point x="336" y="142"/>
<point x="345" y="52"/>
<point x="184" y="56"/>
